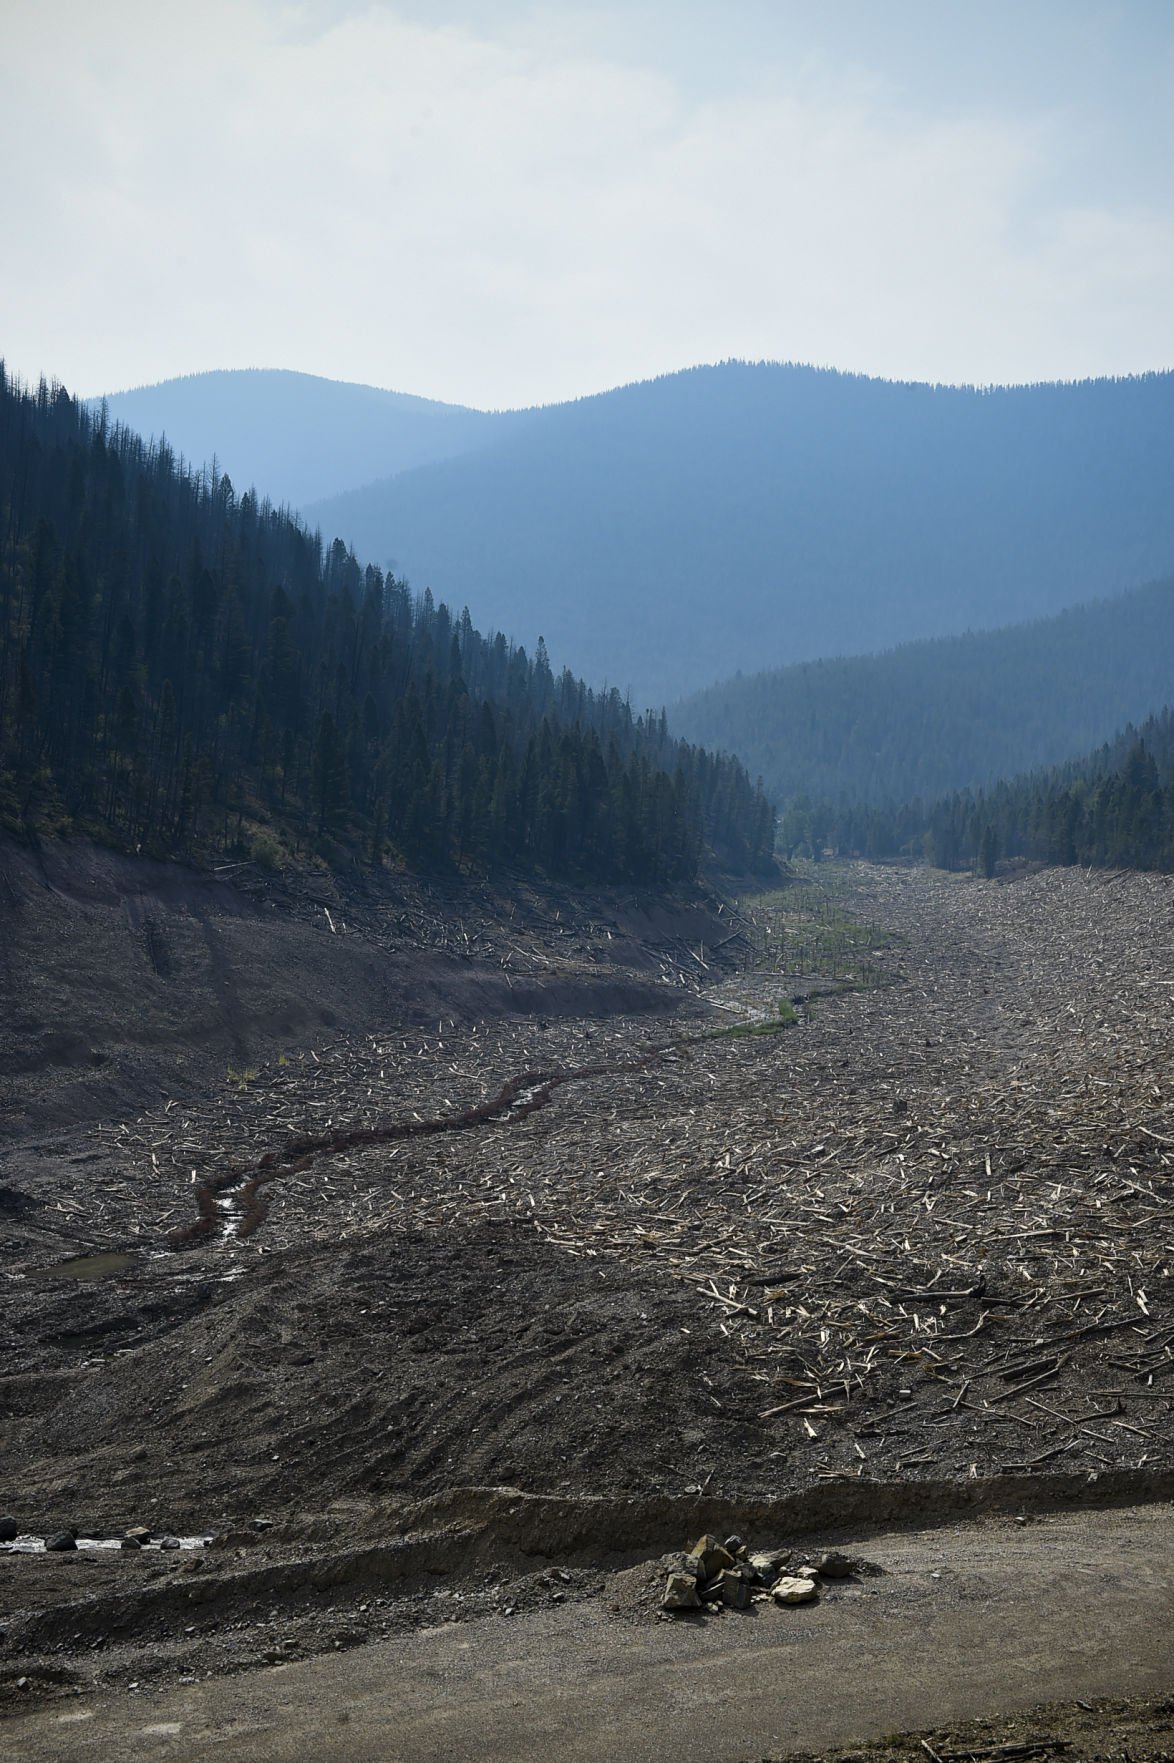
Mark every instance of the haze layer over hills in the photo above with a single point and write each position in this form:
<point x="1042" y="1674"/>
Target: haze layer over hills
<point x="1112" y="808"/>
<point x="949" y="713"/>
<point x="669" y="533"/>
<point x="295" y="437"/>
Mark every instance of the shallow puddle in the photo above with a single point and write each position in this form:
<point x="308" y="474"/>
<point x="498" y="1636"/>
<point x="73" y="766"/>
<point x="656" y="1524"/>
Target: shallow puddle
<point x="87" y="1266"/>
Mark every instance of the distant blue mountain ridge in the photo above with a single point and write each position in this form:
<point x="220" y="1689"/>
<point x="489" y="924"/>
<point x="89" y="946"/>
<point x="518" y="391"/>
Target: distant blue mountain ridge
<point x="749" y="515"/>
<point x="294" y="437"/>
<point x="946" y="713"/>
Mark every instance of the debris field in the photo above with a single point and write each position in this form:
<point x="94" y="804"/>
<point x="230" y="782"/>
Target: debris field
<point x="914" y="1230"/>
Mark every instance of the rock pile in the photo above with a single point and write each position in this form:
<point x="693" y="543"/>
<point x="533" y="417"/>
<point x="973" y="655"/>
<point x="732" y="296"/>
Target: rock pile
<point x="728" y="1574"/>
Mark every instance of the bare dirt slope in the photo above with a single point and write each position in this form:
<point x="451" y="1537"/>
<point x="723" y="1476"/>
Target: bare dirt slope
<point x="123" y="979"/>
<point x="910" y="1255"/>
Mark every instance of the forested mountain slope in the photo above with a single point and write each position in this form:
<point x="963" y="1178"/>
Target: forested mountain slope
<point x="1113" y="807"/>
<point x="667" y="534"/>
<point x="185" y="671"/>
<point x="295" y="437"/>
<point x="946" y="714"/>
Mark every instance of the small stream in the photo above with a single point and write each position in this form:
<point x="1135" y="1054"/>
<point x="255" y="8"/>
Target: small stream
<point x="35" y="1545"/>
<point x="232" y="1205"/>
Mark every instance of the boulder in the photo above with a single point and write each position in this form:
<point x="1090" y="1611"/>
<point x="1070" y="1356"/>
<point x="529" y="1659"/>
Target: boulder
<point x="60" y="1542"/>
<point x="680" y="1593"/>
<point x="794" y="1591"/>
<point x="138" y="1533"/>
<point x="710" y="1556"/>
<point x="9" y="1530"/>
<point x="735" y="1592"/>
<point x="769" y="1563"/>
<point x="833" y="1565"/>
<point x="129" y="1542"/>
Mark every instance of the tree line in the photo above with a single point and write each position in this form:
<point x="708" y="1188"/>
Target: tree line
<point x="1113" y="808"/>
<point x="188" y="671"/>
<point x="945" y="714"/>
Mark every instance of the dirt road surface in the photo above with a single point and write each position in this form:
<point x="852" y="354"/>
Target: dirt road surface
<point x="962" y="1619"/>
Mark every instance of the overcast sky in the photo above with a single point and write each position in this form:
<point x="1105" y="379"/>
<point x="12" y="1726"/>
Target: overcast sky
<point x="500" y="203"/>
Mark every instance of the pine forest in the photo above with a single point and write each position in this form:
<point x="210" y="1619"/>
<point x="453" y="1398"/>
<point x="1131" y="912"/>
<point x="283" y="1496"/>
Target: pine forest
<point x="186" y="670"/>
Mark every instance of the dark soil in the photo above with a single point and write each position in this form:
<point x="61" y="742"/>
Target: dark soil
<point x="1100" y="1731"/>
<point x="396" y="1368"/>
<point x="124" y="979"/>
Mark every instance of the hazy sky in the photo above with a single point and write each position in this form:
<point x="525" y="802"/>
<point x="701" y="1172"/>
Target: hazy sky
<point x="498" y="203"/>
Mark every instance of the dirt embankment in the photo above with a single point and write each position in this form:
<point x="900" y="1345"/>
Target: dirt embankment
<point x="124" y="979"/>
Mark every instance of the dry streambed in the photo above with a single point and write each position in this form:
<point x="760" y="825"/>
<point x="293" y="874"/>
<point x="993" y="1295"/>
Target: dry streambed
<point x="933" y="1220"/>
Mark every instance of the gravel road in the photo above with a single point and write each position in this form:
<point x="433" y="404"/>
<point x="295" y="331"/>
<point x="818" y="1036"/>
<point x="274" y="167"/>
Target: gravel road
<point x="962" y="1619"/>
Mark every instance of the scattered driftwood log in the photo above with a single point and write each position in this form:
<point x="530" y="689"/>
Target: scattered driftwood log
<point x="935" y="1217"/>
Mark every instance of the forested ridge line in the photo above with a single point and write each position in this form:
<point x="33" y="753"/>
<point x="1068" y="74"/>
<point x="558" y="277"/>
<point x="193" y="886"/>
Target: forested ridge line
<point x="1111" y="808"/>
<point x="948" y="713"/>
<point x="188" y="671"/>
